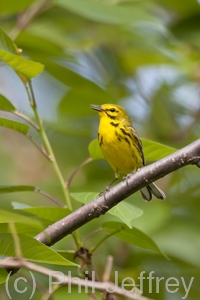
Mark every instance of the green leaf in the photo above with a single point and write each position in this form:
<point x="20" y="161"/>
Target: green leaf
<point x="155" y="151"/>
<point x="14" y="7"/>
<point x="18" y="126"/>
<point x="4" y="189"/>
<point x="31" y="249"/>
<point x="124" y="210"/>
<point x="132" y="236"/>
<point x="5" y="104"/>
<point x="6" y="43"/>
<point x="95" y="150"/>
<point x="84" y="197"/>
<point x="152" y="150"/>
<point x="49" y="213"/>
<point x="10" y="56"/>
<point x="7" y="216"/>
<point x="106" y="12"/>
<point x="3" y="276"/>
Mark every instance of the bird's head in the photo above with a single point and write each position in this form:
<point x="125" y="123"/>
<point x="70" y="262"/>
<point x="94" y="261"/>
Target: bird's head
<point x="111" y="111"/>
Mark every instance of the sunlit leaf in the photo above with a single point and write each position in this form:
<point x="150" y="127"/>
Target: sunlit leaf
<point x="155" y="151"/>
<point x="152" y="150"/>
<point x="126" y="212"/>
<point x="50" y="213"/>
<point x="7" y="216"/>
<point x="132" y="236"/>
<point x="95" y="150"/>
<point x="31" y="249"/>
<point x="10" y="56"/>
<point x="5" y="104"/>
<point x="21" y="127"/>
<point x="84" y="197"/>
<point x="6" y="43"/>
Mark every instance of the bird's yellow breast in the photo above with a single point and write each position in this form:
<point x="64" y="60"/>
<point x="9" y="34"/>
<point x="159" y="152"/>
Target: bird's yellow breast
<point x="119" y="147"/>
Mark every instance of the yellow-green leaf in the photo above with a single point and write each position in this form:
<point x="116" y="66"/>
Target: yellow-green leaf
<point x="18" y="126"/>
<point x="5" y="104"/>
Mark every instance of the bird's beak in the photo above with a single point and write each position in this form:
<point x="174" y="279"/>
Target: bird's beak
<point x="96" y="107"/>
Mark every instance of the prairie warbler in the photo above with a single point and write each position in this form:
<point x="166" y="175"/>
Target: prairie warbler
<point x="121" y="145"/>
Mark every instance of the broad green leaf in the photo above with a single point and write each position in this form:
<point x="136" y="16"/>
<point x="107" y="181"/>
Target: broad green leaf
<point x="84" y="197"/>
<point x="26" y="228"/>
<point x="3" y="276"/>
<point x="152" y="150"/>
<point x="7" y="216"/>
<point x="10" y="7"/>
<point x="132" y="236"/>
<point x="124" y="211"/>
<point x="155" y="151"/>
<point x="31" y="249"/>
<point x="18" y="126"/>
<point x="10" y="56"/>
<point x="66" y="254"/>
<point x="21" y="65"/>
<point x="95" y="150"/>
<point x="18" y="205"/>
<point x="16" y="188"/>
<point x="5" y="104"/>
<point x="6" y="43"/>
<point x="106" y="12"/>
<point x="50" y="213"/>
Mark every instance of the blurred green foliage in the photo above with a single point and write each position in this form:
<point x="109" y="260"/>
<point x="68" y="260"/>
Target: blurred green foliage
<point x="142" y="55"/>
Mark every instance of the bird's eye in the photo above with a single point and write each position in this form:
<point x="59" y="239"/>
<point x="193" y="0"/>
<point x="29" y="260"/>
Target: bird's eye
<point x="112" y="110"/>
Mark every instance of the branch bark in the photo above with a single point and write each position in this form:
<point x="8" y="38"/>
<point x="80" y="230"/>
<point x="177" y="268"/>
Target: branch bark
<point x="188" y="155"/>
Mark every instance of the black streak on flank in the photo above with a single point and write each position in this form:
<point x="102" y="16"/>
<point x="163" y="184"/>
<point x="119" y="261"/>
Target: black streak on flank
<point x="101" y="141"/>
<point x="119" y="137"/>
<point x="114" y="124"/>
<point x="125" y="133"/>
<point x="127" y="140"/>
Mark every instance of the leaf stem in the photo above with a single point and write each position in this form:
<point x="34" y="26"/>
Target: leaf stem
<point x="27" y="119"/>
<point x="52" y="158"/>
<point x="36" y="145"/>
<point x="104" y="239"/>
<point x="48" y="196"/>
<point x="85" y="162"/>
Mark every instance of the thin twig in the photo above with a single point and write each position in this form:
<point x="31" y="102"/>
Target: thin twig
<point x="16" y="240"/>
<point x="49" y="196"/>
<point x="85" y="162"/>
<point x="27" y="119"/>
<point x="43" y="151"/>
<point x="28" y="15"/>
<point x="108" y="269"/>
<point x="104" y="239"/>
<point x="63" y="279"/>
<point x="91" y="233"/>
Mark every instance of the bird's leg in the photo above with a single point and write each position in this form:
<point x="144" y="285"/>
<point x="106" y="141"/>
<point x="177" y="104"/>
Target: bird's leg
<point x="110" y="184"/>
<point x="125" y="178"/>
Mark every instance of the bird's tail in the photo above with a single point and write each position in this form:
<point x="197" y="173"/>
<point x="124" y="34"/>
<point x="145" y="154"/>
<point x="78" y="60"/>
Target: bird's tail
<point x="150" y="190"/>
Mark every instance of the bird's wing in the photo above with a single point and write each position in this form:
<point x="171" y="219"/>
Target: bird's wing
<point x="138" y="142"/>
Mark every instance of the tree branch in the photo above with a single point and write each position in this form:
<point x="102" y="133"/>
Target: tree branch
<point x="99" y="206"/>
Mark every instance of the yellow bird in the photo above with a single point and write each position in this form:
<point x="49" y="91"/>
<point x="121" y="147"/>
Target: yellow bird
<point x="121" y="145"/>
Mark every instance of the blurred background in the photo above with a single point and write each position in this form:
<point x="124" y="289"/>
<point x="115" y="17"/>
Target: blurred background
<point x="142" y="55"/>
